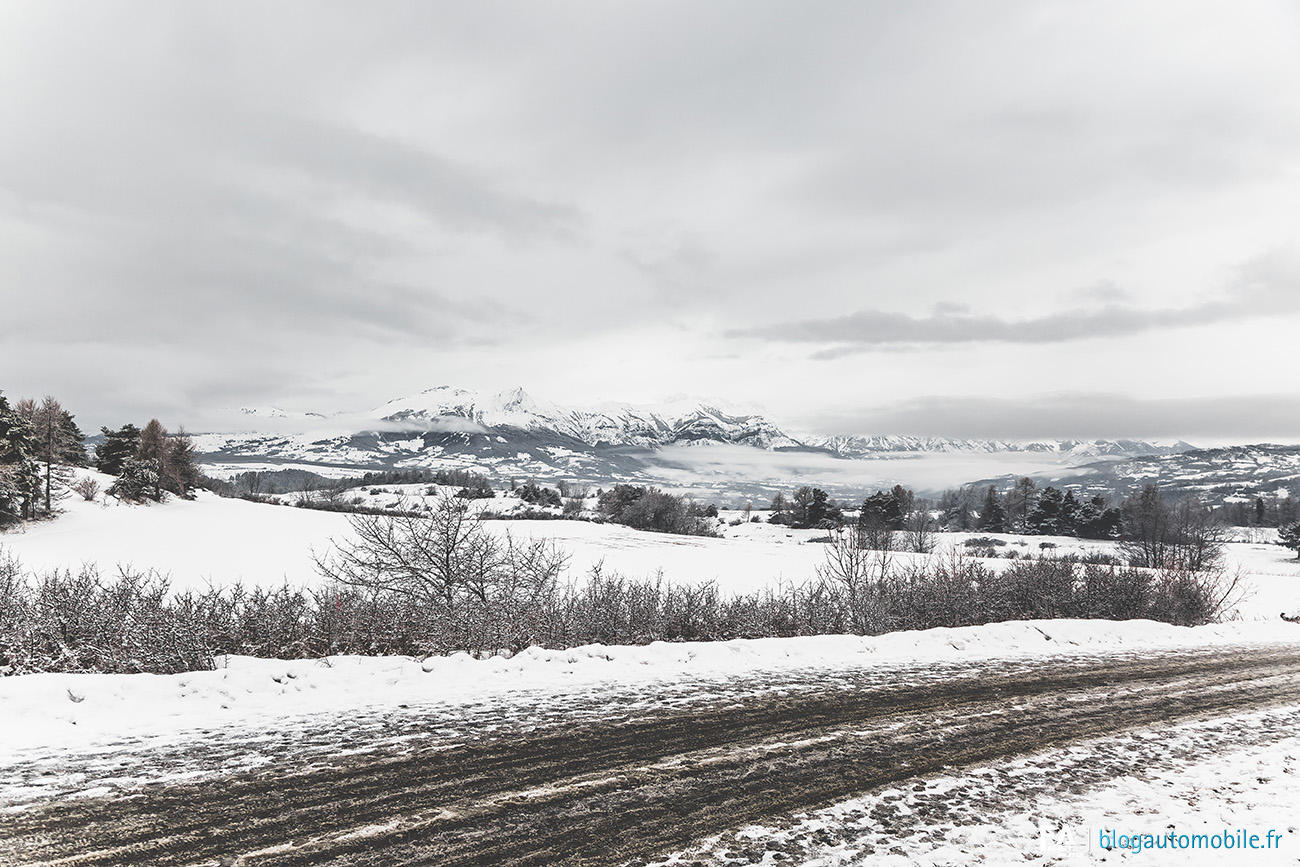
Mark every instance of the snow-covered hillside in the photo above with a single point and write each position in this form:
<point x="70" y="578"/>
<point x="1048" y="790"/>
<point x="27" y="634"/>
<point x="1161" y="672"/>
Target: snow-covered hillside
<point x="1216" y="475"/>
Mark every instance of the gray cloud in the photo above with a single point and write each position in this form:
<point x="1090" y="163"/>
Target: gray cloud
<point x="322" y="204"/>
<point x="870" y="328"/>
<point x="1266" y="286"/>
<point x="1200" y="420"/>
<point x="380" y="168"/>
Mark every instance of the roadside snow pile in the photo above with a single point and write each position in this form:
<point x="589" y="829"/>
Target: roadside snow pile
<point x="52" y="711"/>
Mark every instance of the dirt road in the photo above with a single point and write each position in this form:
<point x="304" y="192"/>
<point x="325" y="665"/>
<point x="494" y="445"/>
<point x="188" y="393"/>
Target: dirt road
<point x="615" y="785"/>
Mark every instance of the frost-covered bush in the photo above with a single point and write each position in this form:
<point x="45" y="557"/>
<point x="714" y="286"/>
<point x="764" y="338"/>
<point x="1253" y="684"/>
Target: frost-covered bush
<point x="508" y="597"/>
<point x="82" y="621"/>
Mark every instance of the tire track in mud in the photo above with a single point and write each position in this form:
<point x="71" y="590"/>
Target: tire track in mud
<point x="595" y="792"/>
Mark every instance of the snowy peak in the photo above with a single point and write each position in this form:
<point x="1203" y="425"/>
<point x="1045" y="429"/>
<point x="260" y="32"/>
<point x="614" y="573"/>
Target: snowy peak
<point x="510" y="408"/>
<point x="1067" y="451"/>
<point x="680" y="421"/>
<point x="608" y="424"/>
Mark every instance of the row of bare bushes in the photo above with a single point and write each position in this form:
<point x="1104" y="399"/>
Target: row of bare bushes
<point x="133" y="622"/>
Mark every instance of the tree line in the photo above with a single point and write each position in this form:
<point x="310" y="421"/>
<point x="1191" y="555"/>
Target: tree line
<point x="41" y="444"/>
<point x="149" y="462"/>
<point x="1152" y="529"/>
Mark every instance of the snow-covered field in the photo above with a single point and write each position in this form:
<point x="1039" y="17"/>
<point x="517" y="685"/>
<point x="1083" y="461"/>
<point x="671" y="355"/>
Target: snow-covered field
<point x="67" y="735"/>
<point x="220" y="541"/>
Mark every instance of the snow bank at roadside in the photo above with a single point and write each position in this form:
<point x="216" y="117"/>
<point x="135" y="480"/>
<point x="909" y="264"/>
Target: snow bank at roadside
<point x="64" y="711"/>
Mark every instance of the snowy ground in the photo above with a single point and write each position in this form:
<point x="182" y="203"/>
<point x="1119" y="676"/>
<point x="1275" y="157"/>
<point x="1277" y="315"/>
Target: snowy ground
<point x="220" y="541"/>
<point x="1111" y="801"/>
<point x="68" y="735"/>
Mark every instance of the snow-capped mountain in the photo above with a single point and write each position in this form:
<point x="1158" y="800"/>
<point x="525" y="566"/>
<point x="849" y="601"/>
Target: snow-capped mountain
<point x="1066" y="450"/>
<point x="607" y="424"/>
<point x="686" y="443"/>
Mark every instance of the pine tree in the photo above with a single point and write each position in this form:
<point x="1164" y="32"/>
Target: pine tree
<point x="137" y="481"/>
<point x="1097" y="520"/>
<point x="1069" y="521"/>
<point x="882" y="514"/>
<point x="958" y="508"/>
<point x="118" y="447"/>
<point x="1045" y="518"/>
<point x="19" y="473"/>
<point x="1290" y="537"/>
<point x="181" y="467"/>
<point x="992" y="517"/>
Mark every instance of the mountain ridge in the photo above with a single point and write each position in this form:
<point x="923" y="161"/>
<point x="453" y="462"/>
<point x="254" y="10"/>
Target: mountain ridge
<point x="611" y="423"/>
<point x="699" y="445"/>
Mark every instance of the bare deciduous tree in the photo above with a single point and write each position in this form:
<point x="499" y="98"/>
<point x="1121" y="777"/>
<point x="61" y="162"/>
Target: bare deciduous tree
<point x="493" y="589"/>
<point x="1157" y="535"/>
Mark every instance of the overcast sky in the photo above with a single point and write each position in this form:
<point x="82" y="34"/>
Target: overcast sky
<point x="1022" y="219"/>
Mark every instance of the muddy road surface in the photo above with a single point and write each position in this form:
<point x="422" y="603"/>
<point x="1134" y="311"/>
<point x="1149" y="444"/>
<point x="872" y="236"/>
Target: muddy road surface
<point x="617" y="784"/>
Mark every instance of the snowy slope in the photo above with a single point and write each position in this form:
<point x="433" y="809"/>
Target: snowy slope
<point x="1216" y="475"/>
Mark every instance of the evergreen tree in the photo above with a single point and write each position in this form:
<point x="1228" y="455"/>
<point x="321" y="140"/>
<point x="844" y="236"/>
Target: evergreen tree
<point x="958" y="507"/>
<point x="883" y="514"/>
<point x="812" y="507"/>
<point x="179" y="470"/>
<point x="803" y="501"/>
<point x="118" y="447"/>
<point x="1056" y="513"/>
<point x="19" y="473"/>
<point x="992" y="516"/>
<point x="537" y="495"/>
<point x="1069" y="520"/>
<point x="154" y="461"/>
<point x="1097" y="520"/>
<point x="1290" y="536"/>
<point x="137" y="481"/>
<point x="74" y="441"/>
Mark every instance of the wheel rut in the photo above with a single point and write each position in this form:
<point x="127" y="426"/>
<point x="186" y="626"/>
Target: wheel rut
<point x="595" y="792"/>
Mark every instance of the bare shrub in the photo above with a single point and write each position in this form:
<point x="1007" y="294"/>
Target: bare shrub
<point x="87" y="487"/>
<point x="443" y="585"/>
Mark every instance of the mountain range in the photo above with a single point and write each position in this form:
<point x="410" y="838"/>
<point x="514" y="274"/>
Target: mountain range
<point x="705" y="447"/>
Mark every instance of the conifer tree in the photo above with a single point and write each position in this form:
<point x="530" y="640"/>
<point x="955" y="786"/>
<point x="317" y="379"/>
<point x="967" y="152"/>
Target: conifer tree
<point x="118" y="447"/>
<point x="1290" y="537"/>
<point x="992" y="517"/>
<point x="19" y="473"/>
<point x="59" y="444"/>
<point x="182" y="468"/>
